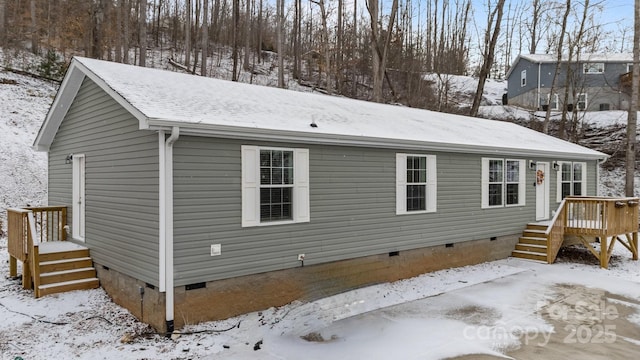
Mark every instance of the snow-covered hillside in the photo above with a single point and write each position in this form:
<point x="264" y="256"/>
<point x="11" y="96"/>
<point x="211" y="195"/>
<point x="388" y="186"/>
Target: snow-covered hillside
<point x="23" y="105"/>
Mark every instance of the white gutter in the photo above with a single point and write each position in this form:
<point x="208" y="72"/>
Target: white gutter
<point x="230" y="132"/>
<point x="168" y="227"/>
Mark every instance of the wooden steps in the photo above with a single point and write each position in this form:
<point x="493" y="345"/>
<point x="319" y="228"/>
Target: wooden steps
<point x="532" y="245"/>
<point x="65" y="268"/>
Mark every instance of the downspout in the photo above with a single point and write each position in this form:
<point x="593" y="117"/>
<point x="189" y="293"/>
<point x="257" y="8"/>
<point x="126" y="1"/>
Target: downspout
<point x="538" y="101"/>
<point x="162" y="214"/>
<point x="168" y="202"/>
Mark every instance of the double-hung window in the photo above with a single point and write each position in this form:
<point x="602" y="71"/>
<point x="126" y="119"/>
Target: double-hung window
<point x="503" y="182"/>
<point x="275" y="185"/>
<point x="416" y="184"/>
<point x="582" y="104"/>
<point x="572" y="179"/>
<point x="523" y="78"/>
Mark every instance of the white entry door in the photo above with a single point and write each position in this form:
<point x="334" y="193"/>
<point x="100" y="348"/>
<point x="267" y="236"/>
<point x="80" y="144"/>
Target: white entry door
<point x="542" y="191"/>
<point x="78" y="194"/>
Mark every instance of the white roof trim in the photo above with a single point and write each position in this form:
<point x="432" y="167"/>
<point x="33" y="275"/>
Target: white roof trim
<point x="66" y="95"/>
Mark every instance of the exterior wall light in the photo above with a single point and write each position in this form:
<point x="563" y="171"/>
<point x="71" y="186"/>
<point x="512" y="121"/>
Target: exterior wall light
<point x="68" y="159"/>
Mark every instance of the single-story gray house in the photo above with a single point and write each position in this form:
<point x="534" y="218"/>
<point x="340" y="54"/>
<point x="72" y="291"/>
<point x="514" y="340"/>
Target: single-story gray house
<point x="202" y="199"/>
<point x="594" y="81"/>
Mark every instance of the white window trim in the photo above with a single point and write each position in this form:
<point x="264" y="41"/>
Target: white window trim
<point x="630" y="67"/>
<point x="79" y="194"/>
<point x="559" y="178"/>
<point x="522" y="181"/>
<point x="523" y="78"/>
<point x="250" y="158"/>
<point x="592" y="65"/>
<point x="401" y="184"/>
<point x="586" y="101"/>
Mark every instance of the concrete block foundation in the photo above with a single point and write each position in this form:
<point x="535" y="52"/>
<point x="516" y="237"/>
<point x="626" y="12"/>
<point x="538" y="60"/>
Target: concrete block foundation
<point x="221" y="299"/>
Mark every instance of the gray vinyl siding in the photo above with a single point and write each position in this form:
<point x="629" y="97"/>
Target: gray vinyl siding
<point x="121" y="182"/>
<point x="352" y="204"/>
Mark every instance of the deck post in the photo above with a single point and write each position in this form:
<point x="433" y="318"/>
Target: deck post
<point x="635" y="245"/>
<point x="26" y="275"/>
<point x="604" y="251"/>
<point x="13" y="266"/>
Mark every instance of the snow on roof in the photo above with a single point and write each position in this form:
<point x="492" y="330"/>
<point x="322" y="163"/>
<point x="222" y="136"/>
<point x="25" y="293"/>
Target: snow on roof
<point x="207" y="106"/>
<point x="545" y="58"/>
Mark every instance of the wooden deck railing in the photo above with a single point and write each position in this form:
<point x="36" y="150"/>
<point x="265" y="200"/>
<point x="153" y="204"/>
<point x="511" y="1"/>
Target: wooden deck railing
<point x="601" y="217"/>
<point x="596" y="217"/>
<point x="27" y="228"/>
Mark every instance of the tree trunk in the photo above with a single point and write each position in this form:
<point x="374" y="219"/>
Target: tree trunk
<point x="127" y="12"/>
<point x="280" y="21"/>
<point x="142" y="33"/>
<point x="236" y="28"/>
<point x="534" y="26"/>
<point x="247" y="34"/>
<point x="3" y="16"/>
<point x="632" y="120"/>
<point x="379" y="50"/>
<point x="187" y="34"/>
<point x="205" y="38"/>
<point x="487" y="60"/>
<point x="545" y="124"/>
<point x="118" y="31"/>
<point x="34" y="28"/>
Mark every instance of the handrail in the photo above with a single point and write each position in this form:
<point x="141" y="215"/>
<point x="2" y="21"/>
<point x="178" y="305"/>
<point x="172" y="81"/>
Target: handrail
<point x="555" y="232"/>
<point x="27" y="229"/>
<point x="34" y="261"/>
<point x="594" y="216"/>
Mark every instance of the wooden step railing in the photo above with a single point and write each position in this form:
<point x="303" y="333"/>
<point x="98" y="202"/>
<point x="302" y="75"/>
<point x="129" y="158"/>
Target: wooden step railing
<point x="27" y="228"/>
<point x="603" y="218"/>
<point x="555" y="232"/>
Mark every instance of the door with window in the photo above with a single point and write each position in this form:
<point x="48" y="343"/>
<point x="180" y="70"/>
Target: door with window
<point x="78" y="197"/>
<point x="542" y="191"/>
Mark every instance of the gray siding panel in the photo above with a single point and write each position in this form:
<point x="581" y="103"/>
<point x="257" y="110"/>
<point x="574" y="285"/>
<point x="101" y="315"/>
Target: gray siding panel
<point x="121" y="182"/>
<point x="352" y="199"/>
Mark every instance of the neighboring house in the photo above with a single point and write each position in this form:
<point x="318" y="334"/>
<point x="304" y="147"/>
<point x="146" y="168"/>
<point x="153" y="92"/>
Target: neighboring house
<point x="593" y="81"/>
<point x="202" y="199"/>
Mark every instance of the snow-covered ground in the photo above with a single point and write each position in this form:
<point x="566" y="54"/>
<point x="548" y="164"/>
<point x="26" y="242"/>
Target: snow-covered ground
<point x="481" y="309"/>
<point x="436" y="315"/>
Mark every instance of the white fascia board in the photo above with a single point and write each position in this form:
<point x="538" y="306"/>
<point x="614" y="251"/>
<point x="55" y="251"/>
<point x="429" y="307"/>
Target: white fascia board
<point x="232" y="132"/>
<point x="142" y="119"/>
<point x="64" y="98"/>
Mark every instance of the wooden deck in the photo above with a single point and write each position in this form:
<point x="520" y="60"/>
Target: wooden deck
<point x="585" y="220"/>
<point x="50" y="264"/>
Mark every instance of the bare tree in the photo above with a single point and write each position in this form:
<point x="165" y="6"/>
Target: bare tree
<point x="632" y="119"/>
<point x="247" y="34"/>
<point x="325" y="44"/>
<point x="34" y="27"/>
<point x="205" y="38"/>
<point x="280" y="40"/>
<point x="379" y="49"/>
<point x="3" y="16"/>
<point x="142" y="33"/>
<point x="560" y="42"/>
<point x="236" y="35"/>
<point x="187" y="34"/>
<point x="490" y="40"/>
<point x="127" y="14"/>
